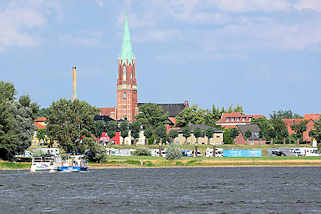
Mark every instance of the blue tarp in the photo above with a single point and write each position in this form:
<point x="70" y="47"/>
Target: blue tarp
<point x="242" y="153"/>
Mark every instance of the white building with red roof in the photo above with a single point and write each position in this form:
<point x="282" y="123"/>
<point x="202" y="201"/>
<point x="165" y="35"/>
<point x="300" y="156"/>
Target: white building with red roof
<point x="234" y="119"/>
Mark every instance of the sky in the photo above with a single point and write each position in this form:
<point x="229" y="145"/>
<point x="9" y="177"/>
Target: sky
<point x="262" y="54"/>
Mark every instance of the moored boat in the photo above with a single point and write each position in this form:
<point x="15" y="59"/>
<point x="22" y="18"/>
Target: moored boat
<point x="74" y="163"/>
<point x="47" y="163"/>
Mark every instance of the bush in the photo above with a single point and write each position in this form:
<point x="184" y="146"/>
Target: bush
<point x="142" y="152"/>
<point x="173" y="152"/>
<point x="96" y="152"/>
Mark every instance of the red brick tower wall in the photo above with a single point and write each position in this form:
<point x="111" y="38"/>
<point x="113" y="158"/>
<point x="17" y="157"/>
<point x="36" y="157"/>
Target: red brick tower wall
<point x="126" y="91"/>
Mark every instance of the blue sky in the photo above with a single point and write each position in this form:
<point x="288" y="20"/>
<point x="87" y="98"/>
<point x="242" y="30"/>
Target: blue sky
<point x="262" y="54"/>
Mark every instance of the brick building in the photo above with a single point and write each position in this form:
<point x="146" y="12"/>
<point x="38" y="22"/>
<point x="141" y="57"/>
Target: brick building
<point x="255" y="135"/>
<point x="309" y="118"/>
<point x="234" y="119"/>
<point x="127" y="106"/>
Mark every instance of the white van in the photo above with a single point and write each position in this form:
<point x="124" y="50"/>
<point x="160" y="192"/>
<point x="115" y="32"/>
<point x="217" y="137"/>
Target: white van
<point x="218" y="153"/>
<point x="305" y="151"/>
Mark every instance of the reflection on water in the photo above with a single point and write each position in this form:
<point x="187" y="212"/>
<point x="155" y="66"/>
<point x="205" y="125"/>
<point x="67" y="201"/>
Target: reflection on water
<point x="181" y="190"/>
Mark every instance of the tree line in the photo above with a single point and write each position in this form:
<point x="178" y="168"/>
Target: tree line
<point x="71" y="124"/>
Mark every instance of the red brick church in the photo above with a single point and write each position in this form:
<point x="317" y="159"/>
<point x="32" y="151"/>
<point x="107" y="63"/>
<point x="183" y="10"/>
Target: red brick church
<point x="127" y="105"/>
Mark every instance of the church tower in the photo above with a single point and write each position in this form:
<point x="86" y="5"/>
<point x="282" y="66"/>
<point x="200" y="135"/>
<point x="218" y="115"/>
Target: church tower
<point x="126" y="84"/>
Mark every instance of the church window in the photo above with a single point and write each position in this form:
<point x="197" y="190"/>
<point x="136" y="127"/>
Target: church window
<point x="124" y="73"/>
<point x="124" y="96"/>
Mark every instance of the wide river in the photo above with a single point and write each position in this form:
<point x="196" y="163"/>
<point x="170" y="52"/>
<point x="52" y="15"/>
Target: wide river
<point x="173" y="190"/>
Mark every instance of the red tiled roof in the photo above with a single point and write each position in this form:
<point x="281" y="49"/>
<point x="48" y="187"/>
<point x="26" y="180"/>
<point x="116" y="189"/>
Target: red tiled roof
<point x="232" y="114"/>
<point x="108" y="111"/>
<point x="40" y="119"/>
<point x="312" y="116"/>
<point x="38" y="122"/>
<point x="235" y="116"/>
<point x="39" y="126"/>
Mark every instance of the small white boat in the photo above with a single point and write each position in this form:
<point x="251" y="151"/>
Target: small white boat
<point x="45" y="164"/>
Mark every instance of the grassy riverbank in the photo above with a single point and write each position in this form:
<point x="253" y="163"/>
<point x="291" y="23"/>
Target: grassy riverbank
<point x="136" y="161"/>
<point x="158" y="162"/>
<point x="14" y="166"/>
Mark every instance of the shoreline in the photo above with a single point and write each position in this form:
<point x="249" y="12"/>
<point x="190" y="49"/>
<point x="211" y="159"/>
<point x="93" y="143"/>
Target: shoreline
<point x="187" y="163"/>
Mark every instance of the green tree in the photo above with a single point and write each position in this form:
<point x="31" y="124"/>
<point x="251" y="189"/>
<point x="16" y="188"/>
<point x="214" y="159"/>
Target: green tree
<point x="151" y="115"/>
<point x="272" y="134"/>
<point x="238" y="108"/>
<point x="42" y="135"/>
<point x="299" y="129"/>
<point x="135" y="129"/>
<point x="198" y="133"/>
<point x="43" y="112"/>
<point x="173" y="134"/>
<point x="280" y="129"/>
<point x="209" y="134"/>
<point x="227" y="138"/>
<point x="248" y="134"/>
<point x="316" y="132"/>
<point x="284" y="134"/>
<point x="96" y="152"/>
<point x="111" y="129"/>
<point x="186" y="132"/>
<point x="284" y="114"/>
<point x="265" y="125"/>
<point x="173" y="152"/>
<point x="161" y="133"/>
<point x="99" y="128"/>
<point x="25" y="101"/>
<point x="148" y="133"/>
<point x="69" y="120"/>
<point x="124" y="129"/>
<point x="190" y="115"/>
<point x="234" y="133"/>
<point x="16" y="121"/>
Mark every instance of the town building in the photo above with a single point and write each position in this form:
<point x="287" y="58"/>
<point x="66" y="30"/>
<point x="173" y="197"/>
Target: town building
<point x="309" y="119"/>
<point x="172" y="110"/>
<point x="216" y="139"/>
<point x="255" y="135"/>
<point x="234" y="119"/>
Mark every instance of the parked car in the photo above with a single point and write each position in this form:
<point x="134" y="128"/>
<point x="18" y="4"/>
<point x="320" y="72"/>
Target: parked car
<point x="277" y="152"/>
<point x="155" y="152"/>
<point x="218" y="153"/>
<point x="306" y="151"/>
<point x="187" y="153"/>
<point x="199" y="154"/>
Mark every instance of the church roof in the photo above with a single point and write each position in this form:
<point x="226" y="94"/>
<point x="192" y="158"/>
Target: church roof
<point x="172" y="109"/>
<point x="126" y="49"/>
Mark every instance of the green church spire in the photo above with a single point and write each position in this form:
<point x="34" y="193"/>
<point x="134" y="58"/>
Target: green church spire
<point x="126" y="50"/>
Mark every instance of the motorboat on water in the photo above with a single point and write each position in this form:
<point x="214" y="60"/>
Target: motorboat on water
<point x="48" y="163"/>
<point x="73" y="163"/>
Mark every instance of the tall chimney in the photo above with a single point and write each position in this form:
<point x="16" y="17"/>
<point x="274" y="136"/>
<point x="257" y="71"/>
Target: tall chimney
<point x="74" y="82"/>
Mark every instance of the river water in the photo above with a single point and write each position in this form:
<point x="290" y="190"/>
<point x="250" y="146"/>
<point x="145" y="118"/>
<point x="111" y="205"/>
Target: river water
<point x="172" y="190"/>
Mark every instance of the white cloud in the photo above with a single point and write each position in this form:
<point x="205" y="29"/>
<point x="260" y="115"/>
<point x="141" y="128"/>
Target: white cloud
<point x="227" y="28"/>
<point x="251" y="5"/>
<point x="156" y="35"/>
<point x="87" y="39"/>
<point x="309" y="4"/>
<point x="100" y="3"/>
<point x="17" y="21"/>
